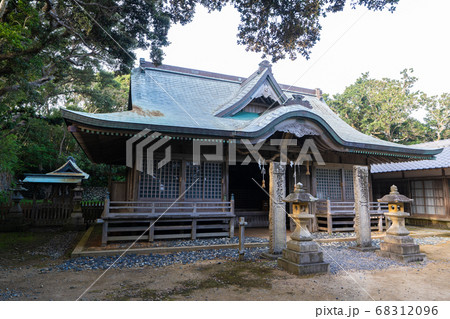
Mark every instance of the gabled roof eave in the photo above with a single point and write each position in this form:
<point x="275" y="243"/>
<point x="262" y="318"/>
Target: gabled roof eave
<point x="248" y="97"/>
<point x="353" y="147"/>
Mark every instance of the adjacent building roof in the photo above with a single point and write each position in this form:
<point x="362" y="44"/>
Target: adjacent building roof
<point x="184" y="101"/>
<point x="442" y="160"/>
<point x="69" y="173"/>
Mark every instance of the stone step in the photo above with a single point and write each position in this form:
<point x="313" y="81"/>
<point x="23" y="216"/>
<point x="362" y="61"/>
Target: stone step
<point x="402" y="258"/>
<point x="402" y="249"/>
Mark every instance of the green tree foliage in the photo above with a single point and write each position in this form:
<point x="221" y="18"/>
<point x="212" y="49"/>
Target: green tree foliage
<point x="106" y="93"/>
<point x="382" y="108"/>
<point x="8" y="153"/>
<point x="438" y="115"/>
<point x="38" y="142"/>
<point x="50" y="48"/>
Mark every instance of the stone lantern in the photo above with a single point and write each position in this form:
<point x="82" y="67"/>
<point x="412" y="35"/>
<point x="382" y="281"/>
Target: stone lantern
<point x="302" y="254"/>
<point x="76" y="220"/>
<point x="15" y="219"/>
<point x="397" y="244"/>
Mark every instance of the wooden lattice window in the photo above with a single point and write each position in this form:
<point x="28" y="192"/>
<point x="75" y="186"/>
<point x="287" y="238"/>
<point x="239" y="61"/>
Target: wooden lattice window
<point x="209" y="184"/>
<point x="194" y="172"/>
<point x="348" y="186"/>
<point x="428" y="197"/>
<point x="163" y="184"/>
<point x="328" y="184"/>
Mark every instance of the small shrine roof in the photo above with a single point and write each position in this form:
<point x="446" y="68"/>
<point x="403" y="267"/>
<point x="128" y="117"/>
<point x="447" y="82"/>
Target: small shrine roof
<point x="69" y="173"/>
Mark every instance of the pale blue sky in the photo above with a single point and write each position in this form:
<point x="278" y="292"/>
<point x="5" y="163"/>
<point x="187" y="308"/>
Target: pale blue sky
<point x="415" y="36"/>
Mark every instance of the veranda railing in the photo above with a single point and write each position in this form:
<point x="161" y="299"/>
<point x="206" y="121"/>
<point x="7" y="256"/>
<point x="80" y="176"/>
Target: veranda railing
<point x="339" y="216"/>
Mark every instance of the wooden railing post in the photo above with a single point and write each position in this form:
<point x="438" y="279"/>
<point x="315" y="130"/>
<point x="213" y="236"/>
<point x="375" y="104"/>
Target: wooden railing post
<point x="105" y="214"/>
<point x="313" y="210"/>
<point x="232" y="220"/>
<point x="194" y="222"/>
<point x="329" y="217"/>
<point x="106" y="208"/>
<point x="104" y="233"/>
<point x="380" y="217"/>
<point x="242" y="224"/>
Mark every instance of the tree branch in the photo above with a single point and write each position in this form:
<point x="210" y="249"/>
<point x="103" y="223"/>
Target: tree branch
<point x="36" y="83"/>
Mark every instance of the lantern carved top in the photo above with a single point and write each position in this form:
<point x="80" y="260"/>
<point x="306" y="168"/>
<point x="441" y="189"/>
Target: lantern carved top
<point x="395" y="197"/>
<point x="299" y="195"/>
<point x="19" y="187"/>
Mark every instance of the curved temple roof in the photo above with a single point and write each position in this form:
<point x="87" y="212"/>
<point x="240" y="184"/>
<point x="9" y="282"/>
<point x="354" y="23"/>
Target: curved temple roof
<point x="184" y="101"/>
<point x="69" y="173"/>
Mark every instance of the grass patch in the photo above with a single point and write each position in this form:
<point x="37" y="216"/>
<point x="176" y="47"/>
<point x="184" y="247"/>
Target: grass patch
<point x="11" y="240"/>
<point x="148" y="294"/>
<point x="117" y="297"/>
<point x="242" y="275"/>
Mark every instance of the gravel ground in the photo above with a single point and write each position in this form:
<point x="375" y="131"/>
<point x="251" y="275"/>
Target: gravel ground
<point x="153" y="260"/>
<point x="57" y="246"/>
<point x="7" y="294"/>
<point x="199" y="242"/>
<point x="336" y="253"/>
<point x="325" y="235"/>
<point x="376" y="242"/>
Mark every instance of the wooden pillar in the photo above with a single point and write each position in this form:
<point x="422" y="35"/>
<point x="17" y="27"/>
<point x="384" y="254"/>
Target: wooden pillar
<point x="291" y="185"/>
<point x="329" y="217"/>
<point x="446" y="193"/>
<point x="277" y="208"/>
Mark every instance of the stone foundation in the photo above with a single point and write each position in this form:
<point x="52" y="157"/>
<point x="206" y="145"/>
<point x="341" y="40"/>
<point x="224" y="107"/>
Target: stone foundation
<point x="401" y="248"/>
<point x="303" y="258"/>
<point x="303" y="269"/>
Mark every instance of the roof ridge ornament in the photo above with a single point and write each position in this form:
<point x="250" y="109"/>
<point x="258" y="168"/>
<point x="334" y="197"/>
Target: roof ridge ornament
<point x="264" y="65"/>
<point x="141" y="65"/>
<point x="319" y="93"/>
<point x="298" y="188"/>
<point x="394" y="190"/>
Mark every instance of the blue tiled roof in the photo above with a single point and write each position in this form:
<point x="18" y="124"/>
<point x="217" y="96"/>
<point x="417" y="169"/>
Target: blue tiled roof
<point x="173" y="100"/>
<point x="442" y="160"/>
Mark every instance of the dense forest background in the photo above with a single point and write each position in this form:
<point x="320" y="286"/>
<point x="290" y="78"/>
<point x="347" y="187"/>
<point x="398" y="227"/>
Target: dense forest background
<point x="78" y="55"/>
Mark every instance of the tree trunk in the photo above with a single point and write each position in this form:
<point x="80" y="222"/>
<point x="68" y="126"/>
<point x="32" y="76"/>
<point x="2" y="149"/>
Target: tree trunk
<point x="3" y="6"/>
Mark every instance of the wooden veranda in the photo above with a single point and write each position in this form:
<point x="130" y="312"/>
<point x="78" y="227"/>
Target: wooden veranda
<point x="126" y="220"/>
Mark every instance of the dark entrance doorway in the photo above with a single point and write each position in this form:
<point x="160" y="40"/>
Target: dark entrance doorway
<point x="250" y="201"/>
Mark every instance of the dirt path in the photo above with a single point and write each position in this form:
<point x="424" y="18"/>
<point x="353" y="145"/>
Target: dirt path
<point x="227" y="280"/>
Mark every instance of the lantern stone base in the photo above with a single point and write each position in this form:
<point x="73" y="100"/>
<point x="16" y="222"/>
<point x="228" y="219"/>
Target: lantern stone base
<point x="402" y="258"/>
<point x="364" y="248"/>
<point x="401" y="248"/>
<point x="303" y="258"/>
<point x="75" y="222"/>
<point x="303" y="269"/>
<point x="13" y="222"/>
